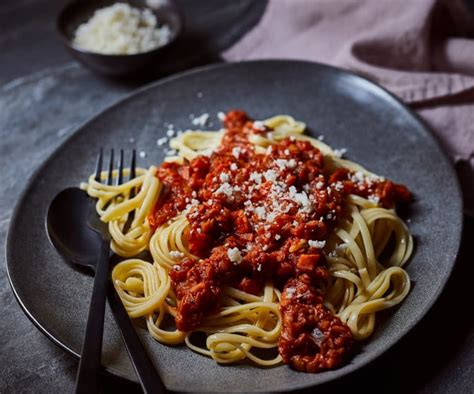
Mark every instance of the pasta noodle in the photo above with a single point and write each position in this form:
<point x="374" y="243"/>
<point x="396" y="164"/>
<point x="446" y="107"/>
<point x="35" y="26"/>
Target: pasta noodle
<point x="364" y="253"/>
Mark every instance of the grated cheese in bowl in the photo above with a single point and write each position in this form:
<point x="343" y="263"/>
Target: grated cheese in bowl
<point x="121" y="30"/>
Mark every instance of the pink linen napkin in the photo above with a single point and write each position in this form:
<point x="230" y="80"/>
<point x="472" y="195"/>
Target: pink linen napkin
<point x="420" y="50"/>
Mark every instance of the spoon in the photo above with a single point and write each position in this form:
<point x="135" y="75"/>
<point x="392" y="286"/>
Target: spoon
<point x="67" y="228"/>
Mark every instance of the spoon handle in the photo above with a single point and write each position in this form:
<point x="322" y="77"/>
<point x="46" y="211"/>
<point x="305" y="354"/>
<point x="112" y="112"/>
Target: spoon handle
<point x="89" y="365"/>
<point x="146" y="372"/>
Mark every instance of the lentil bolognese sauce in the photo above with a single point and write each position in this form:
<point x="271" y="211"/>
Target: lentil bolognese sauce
<point x="278" y="212"/>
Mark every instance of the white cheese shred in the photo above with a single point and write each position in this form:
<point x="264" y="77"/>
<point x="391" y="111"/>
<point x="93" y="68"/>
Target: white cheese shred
<point x="121" y="30"/>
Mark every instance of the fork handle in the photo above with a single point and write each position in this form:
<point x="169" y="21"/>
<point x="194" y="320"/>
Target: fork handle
<point x="89" y="365"/>
<point x="143" y="366"/>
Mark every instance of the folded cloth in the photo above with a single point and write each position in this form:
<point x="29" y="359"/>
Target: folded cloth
<point x="421" y="51"/>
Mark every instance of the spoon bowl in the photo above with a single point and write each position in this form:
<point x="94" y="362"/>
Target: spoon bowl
<point x="66" y="225"/>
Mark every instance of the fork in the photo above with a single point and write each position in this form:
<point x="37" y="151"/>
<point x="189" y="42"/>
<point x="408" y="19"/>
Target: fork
<point x="89" y="364"/>
<point x="87" y="376"/>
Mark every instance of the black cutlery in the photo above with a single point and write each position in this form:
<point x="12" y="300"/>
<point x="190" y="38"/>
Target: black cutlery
<point x="70" y="221"/>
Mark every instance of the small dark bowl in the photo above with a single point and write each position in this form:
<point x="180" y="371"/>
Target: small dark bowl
<point x="80" y="11"/>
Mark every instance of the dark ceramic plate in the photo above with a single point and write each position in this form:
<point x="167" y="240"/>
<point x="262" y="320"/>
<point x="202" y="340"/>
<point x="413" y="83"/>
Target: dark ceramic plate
<point x="378" y="131"/>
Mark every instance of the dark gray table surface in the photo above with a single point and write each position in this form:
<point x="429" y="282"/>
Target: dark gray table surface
<point x="45" y="95"/>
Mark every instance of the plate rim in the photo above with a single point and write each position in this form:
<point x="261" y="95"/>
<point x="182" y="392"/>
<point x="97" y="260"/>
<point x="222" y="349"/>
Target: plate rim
<point x="345" y="370"/>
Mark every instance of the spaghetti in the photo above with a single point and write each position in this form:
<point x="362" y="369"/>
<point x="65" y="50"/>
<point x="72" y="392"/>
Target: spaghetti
<point x="261" y="238"/>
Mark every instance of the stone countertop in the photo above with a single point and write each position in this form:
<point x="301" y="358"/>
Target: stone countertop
<point x="44" y="96"/>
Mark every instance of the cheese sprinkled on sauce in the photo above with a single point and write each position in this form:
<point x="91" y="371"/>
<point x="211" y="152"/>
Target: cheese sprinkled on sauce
<point x="234" y="255"/>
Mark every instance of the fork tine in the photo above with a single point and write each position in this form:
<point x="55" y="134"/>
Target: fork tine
<point x="111" y="168"/>
<point x="133" y="164"/>
<point x="131" y="214"/>
<point x="119" y="179"/>
<point x="133" y="167"/>
<point x="98" y="167"/>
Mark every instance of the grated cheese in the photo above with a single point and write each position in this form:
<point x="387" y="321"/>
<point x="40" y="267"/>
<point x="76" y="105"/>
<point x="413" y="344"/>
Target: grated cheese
<point x="374" y="199"/>
<point x="234" y="255"/>
<point x="358" y="177"/>
<point x="340" y="152"/>
<point x="256" y="177"/>
<point x="260" y="211"/>
<point x="270" y="175"/>
<point x="317" y="244"/>
<point x="201" y="120"/>
<point x="318" y="336"/>
<point x="338" y="186"/>
<point x="290" y="291"/>
<point x="283" y="163"/>
<point x="176" y="255"/>
<point x="161" y="141"/>
<point x="236" y="152"/>
<point x="121" y="30"/>
<point x="259" y="125"/>
<point x="225" y="189"/>
<point x="224" y="177"/>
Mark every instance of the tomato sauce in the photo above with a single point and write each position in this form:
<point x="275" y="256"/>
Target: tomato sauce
<point x="255" y="217"/>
